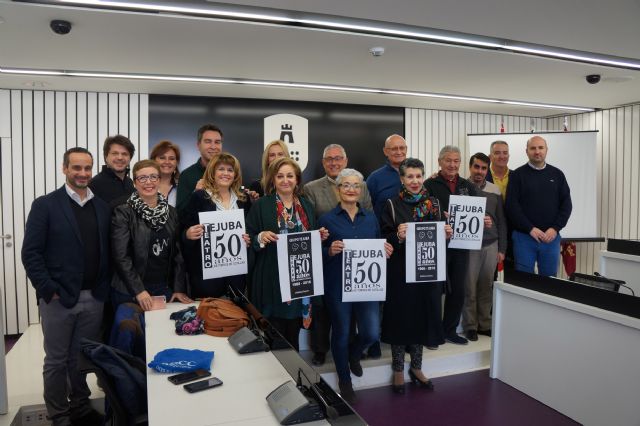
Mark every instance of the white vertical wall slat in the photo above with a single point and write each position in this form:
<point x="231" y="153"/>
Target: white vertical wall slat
<point x="23" y="166"/>
<point x="123" y="114"/>
<point x="81" y="119"/>
<point x="36" y="129"/>
<point x="103" y="126"/>
<point x="9" y="210"/>
<point x="134" y="130"/>
<point x="113" y="113"/>
<point x="143" y="125"/>
<point x="71" y="121"/>
<point x="5" y="119"/>
<point x="634" y="204"/>
<point x="92" y="130"/>
<point x="60" y="126"/>
<point x="49" y="141"/>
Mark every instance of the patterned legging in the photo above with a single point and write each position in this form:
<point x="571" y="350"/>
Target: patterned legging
<point x="397" y="356"/>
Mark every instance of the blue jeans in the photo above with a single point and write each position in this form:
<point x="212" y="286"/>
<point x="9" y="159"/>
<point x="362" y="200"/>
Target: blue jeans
<point x="367" y="316"/>
<point x="528" y="251"/>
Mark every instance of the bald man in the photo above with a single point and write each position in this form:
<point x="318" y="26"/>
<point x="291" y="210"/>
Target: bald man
<point x="384" y="183"/>
<point x="538" y="207"/>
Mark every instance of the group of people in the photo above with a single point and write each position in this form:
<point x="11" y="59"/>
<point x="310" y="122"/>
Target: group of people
<point x="131" y="239"/>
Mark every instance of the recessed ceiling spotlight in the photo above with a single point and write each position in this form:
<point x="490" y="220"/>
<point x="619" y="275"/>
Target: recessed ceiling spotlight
<point x="377" y="51"/>
<point x="619" y="79"/>
<point x="36" y="84"/>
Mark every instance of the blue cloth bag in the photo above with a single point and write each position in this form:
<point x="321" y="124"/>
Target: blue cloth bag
<point x="181" y="360"/>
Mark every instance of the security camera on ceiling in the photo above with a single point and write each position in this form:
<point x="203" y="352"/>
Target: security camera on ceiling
<point x="593" y="78"/>
<point x="60" y="26"/>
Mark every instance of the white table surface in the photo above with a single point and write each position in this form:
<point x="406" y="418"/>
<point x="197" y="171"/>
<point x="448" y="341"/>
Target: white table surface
<point x="248" y="379"/>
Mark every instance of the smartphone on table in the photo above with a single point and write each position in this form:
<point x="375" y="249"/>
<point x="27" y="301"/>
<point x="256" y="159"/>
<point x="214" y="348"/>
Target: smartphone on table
<point x="189" y="376"/>
<point x="202" y="385"/>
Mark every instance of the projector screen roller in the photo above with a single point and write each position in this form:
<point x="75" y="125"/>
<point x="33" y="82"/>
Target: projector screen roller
<point x="572" y="152"/>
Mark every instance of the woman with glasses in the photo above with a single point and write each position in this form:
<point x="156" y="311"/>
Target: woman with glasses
<point x="282" y="210"/>
<point x="167" y="155"/>
<point x="146" y="255"/>
<point x="348" y="220"/>
<point x="412" y="311"/>
<point x="221" y="183"/>
<point x="144" y="243"/>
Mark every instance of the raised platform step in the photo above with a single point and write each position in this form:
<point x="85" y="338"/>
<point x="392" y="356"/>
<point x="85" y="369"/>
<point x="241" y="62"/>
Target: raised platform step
<point x="448" y="359"/>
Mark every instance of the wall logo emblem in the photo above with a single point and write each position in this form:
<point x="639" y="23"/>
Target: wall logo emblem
<point x="293" y="130"/>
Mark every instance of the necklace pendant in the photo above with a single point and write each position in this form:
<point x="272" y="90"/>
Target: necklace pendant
<point x="290" y="224"/>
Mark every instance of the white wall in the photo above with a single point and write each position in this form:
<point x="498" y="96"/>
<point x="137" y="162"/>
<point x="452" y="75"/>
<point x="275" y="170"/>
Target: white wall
<point x="426" y="131"/>
<point x="618" y="191"/>
<point x="618" y="162"/>
<point x="36" y="127"/>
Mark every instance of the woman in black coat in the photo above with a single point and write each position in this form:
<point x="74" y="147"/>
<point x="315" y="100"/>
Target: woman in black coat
<point x="222" y="183"/>
<point x="412" y="311"/>
<point x="145" y="244"/>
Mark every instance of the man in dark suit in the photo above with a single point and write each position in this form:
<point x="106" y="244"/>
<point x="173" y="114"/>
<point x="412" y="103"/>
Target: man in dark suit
<point x="66" y="256"/>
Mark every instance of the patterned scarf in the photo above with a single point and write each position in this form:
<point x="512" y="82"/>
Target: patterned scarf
<point x="424" y="207"/>
<point x="299" y="217"/>
<point x="156" y="217"/>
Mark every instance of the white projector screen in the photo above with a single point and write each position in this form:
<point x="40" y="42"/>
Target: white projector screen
<point x="572" y="152"/>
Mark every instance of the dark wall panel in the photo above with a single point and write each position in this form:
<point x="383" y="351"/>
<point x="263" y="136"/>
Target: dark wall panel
<point x="360" y="129"/>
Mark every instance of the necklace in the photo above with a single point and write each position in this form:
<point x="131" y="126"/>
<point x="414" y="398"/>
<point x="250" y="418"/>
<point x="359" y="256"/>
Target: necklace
<point x="287" y="215"/>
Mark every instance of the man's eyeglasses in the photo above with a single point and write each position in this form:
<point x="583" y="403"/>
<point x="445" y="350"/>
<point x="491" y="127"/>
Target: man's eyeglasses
<point x="145" y="179"/>
<point x="335" y="159"/>
<point x="350" y="186"/>
<point x="398" y="149"/>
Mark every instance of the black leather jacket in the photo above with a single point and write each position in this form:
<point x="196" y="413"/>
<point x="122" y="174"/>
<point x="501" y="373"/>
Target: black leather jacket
<point x="130" y="251"/>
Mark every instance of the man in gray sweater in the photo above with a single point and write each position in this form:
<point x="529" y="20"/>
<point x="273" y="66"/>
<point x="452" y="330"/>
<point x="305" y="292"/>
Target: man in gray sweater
<point x="476" y="314"/>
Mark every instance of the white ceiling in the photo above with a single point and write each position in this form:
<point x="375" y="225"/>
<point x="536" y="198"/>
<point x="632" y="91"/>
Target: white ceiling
<point x="130" y="42"/>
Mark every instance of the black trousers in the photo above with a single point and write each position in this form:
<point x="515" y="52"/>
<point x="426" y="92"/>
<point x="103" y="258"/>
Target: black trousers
<point x="457" y="260"/>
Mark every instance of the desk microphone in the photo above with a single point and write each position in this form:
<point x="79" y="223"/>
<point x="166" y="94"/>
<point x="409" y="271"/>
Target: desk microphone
<point x="331" y="412"/>
<point x="616" y="282"/>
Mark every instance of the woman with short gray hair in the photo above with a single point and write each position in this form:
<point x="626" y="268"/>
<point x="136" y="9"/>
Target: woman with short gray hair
<point x="348" y="221"/>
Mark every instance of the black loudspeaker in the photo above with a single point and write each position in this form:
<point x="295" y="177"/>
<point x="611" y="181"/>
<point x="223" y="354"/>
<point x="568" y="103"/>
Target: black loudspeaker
<point x="244" y="341"/>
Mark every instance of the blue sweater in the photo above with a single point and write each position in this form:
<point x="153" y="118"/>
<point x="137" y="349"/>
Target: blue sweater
<point x="383" y="184"/>
<point x="341" y="227"/>
<point x="538" y="198"/>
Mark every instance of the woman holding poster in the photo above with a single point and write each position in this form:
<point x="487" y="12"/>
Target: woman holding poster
<point x="222" y="182"/>
<point x="349" y="221"/>
<point x="412" y="312"/>
<point x="282" y="210"/>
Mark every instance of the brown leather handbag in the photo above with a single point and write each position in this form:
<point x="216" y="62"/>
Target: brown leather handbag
<point x="222" y="317"/>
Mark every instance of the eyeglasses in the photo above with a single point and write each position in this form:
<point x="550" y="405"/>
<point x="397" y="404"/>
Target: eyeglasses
<point x="145" y="179"/>
<point x="336" y="159"/>
<point x="350" y="186"/>
<point x="398" y="149"/>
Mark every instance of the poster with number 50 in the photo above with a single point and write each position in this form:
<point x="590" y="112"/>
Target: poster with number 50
<point x="466" y="217"/>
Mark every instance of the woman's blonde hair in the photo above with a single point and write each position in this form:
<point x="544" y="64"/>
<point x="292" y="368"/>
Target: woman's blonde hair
<point x="210" y="173"/>
<point x="272" y="171"/>
<point x="265" y="160"/>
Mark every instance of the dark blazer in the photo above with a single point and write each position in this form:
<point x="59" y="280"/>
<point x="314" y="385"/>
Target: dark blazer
<point x="53" y="251"/>
<point x="265" y="281"/>
<point x="130" y="237"/>
<point x="215" y="287"/>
